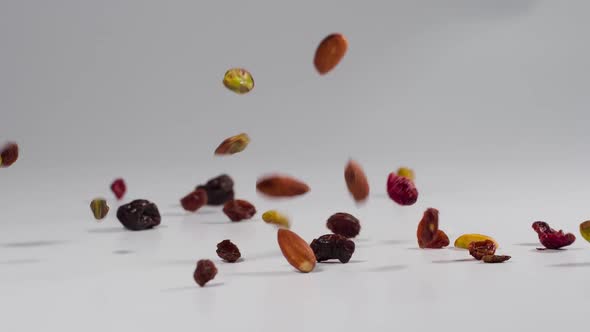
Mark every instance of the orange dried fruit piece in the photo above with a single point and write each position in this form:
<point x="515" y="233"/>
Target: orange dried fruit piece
<point x="329" y="53"/>
<point x="428" y="234"/>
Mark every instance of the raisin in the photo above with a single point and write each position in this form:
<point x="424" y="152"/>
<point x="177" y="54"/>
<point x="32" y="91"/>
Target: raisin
<point x="281" y="186"/>
<point x="428" y="234"/>
<point x="401" y="189"/>
<point x="344" y="224"/>
<point x="119" y="188"/>
<point x="550" y="238"/>
<point x="228" y="251"/>
<point x="479" y="249"/>
<point x="495" y="258"/>
<point x="205" y="272"/>
<point x="239" y="209"/>
<point x="332" y="246"/>
<point x="139" y="215"/>
<point x="194" y="201"/>
<point x="219" y="190"/>
<point x="8" y="154"/>
<point x="99" y="208"/>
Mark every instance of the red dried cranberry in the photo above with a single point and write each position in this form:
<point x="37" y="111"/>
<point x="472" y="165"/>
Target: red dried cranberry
<point x="228" y="251"/>
<point x="344" y="224"/>
<point x="8" y="154"/>
<point x="401" y="190"/>
<point x="194" y="201"/>
<point x="219" y="190"/>
<point x="332" y="246"/>
<point x="238" y="210"/>
<point x="119" y="188"/>
<point x="138" y="215"/>
<point x="550" y="238"/>
<point x="479" y="249"/>
<point x="204" y="272"/>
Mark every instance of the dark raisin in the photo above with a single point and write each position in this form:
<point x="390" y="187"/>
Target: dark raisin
<point x="332" y="246"/>
<point x="495" y="258"/>
<point x="344" y="224"/>
<point x="8" y="154"/>
<point x="238" y="210"/>
<point x="138" y="215"/>
<point x="205" y="272"/>
<point x="228" y="251"/>
<point x="194" y="201"/>
<point x="219" y="190"/>
<point x="550" y="238"/>
<point x="119" y="188"/>
<point x="479" y="249"/>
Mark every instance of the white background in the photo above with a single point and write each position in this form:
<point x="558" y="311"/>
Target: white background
<point x="486" y="100"/>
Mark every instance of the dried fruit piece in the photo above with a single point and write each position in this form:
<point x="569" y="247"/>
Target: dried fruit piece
<point x="238" y="210"/>
<point x="344" y="224"/>
<point x="332" y="246"/>
<point x="478" y="249"/>
<point x="356" y="181"/>
<point x="401" y="190"/>
<point x="277" y="218"/>
<point x="550" y="238"/>
<point x="495" y="258"/>
<point x="428" y="234"/>
<point x="119" y="188"/>
<point x="99" y="208"/>
<point x="329" y="53"/>
<point x="464" y="240"/>
<point x="407" y="173"/>
<point x="194" y="201"/>
<point x="238" y="80"/>
<point x="139" y="215"/>
<point x="585" y="230"/>
<point x="228" y="251"/>
<point x="233" y="144"/>
<point x="281" y="186"/>
<point x="297" y="252"/>
<point x="219" y="190"/>
<point x="204" y="272"/>
<point x="8" y="154"/>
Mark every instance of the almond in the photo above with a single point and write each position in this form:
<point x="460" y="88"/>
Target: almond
<point x="281" y="186"/>
<point x="297" y="252"/>
<point x="356" y="181"/>
<point x="329" y="53"/>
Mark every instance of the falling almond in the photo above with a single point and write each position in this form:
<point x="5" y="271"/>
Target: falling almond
<point x="297" y="252"/>
<point x="356" y="181"/>
<point x="281" y="186"/>
<point x="329" y="53"/>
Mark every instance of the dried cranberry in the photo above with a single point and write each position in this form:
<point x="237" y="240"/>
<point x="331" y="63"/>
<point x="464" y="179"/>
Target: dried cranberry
<point x="551" y="238"/>
<point x="204" y="272"/>
<point x="219" y="190"/>
<point x="332" y="246"/>
<point x="228" y="251"/>
<point x="344" y="224"/>
<point x="119" y="188"/>
<point x="479" y="249"/>
<point x="401" y="189"/>
<point x="238" y="210"/>
<point x="138" y="215"/>
<point x="194" y="201"/>
<point x="8" y="154"/>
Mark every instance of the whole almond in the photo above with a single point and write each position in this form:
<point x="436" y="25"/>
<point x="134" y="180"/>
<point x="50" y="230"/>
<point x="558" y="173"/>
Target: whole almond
<point x="281" y="186"/>
<point x="356" y="181"/>
<point x="329" y="53"/>
<point x="297" y="252"/>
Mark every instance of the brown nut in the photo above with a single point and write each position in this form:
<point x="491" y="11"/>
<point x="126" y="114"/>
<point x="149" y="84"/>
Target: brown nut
<point x="297" y="252"/>
<point x="281" y="186"/>
<point x="356" y="181"/>
<point x="329" y="53"/>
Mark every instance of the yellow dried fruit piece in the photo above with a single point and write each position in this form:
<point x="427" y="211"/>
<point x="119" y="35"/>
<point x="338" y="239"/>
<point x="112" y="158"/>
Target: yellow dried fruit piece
<point x="585" y="230"/>
<point x="238" y="80"/>
<point x="464" y="240"/>
<point x="277" y="218"/>
<point x="233" y="144"/>
<point x="407" y="173"/>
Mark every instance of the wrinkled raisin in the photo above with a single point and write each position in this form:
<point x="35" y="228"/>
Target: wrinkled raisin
<point x="479" y="249"/>
<point x="139" y="215"/>
<point x="219" y="190"/>
<point x="550" y="238"/>
<point x="8" y="154"/>
<point x="428" y="234"/>
<point x="239" y="209"/>
<point x="401" y="190"/>
<point x="495" y="258"/>
<point x="99" y="208"/>
<point x="205" y="272"/>
<point x="194" y="201"/>
<point x="228" y="251"/>
<point x="119" y="188"/>
<point x="344" y="224"/>
<point x="332" y="246"/>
